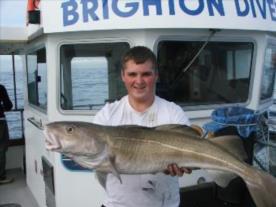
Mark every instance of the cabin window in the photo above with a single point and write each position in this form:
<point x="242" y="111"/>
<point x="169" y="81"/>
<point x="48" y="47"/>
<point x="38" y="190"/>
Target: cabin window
<point x="268" y="72"/>
<point x="90" y="75"/>
<point x="219" y="75"/>
<point x="37" y="78"/>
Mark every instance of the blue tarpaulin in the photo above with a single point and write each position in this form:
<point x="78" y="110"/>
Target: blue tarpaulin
<point x="245" y="120"/>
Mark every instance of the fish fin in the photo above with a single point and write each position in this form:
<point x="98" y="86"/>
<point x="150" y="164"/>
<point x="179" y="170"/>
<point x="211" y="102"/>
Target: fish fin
<point x="92" y="161"/>
<point x="262" y="187"/>
<point x="232" y="144"/>
<point x="221" y="178"/>
<point x="114" y="168"/>
<point x="101" y="176"/>
<point x="183" y="129"/>
<point x="83" y="161"/>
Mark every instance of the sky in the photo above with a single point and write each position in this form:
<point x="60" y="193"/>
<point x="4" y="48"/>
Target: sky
<point x="13" y="13"/>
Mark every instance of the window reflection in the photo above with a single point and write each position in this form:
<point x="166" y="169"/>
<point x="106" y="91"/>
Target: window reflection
<point x="220" y="74"/>
<point x="91" y="75"/>
<point x="37" y="78"/>
<point x="268" y="72"/>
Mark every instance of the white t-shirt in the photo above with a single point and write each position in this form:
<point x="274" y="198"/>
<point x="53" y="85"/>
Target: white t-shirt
<point x="141" y="190"/>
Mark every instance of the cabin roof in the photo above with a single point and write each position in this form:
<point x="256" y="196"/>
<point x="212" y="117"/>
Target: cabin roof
<point x="12" y="39"/>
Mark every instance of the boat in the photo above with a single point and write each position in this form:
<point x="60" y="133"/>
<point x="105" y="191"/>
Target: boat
<point x="211" y="54"/>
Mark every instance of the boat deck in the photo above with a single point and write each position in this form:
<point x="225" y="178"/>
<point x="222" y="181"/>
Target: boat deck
<point x="16" y="192"/>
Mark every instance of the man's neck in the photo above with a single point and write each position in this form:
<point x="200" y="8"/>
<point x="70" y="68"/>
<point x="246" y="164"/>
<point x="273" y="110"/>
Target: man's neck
<point x="140" y="105"/>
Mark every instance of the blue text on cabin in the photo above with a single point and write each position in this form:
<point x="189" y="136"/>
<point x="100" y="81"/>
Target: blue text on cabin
<point x="88" y="10"/>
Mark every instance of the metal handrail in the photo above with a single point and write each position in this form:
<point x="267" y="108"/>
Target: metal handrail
<point x="37" y="124"/>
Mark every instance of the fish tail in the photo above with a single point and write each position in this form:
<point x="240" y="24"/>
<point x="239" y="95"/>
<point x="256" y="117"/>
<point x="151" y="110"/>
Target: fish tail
<point x="262" y="187"/>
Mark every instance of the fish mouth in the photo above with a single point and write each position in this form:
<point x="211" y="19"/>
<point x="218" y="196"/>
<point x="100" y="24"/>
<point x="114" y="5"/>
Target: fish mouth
<point x="52" y="143"/>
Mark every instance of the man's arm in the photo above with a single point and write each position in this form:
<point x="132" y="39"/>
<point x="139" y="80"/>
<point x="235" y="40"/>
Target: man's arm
<point x="174" y="169"/>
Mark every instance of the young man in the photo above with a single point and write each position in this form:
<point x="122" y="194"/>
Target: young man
<point x="5" y="105"/>
<point x="142" y="107"/>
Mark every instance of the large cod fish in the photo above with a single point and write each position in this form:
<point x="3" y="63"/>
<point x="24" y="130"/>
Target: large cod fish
<point x="141" y="150"/>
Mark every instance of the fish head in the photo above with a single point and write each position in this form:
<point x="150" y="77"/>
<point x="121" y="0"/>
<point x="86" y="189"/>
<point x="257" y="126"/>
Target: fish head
<point x="75" y="138"/>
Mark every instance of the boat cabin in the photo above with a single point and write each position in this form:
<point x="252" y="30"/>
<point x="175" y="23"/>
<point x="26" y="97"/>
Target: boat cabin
<point x="211" y="54"/>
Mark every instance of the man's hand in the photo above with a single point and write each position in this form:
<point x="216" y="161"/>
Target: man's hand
<point x="174" y="170"/>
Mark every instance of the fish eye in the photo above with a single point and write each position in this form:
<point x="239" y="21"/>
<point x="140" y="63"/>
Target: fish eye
<point x="70" y="129"/>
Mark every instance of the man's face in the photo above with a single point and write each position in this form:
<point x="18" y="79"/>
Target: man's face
<point x="139" y="80"/>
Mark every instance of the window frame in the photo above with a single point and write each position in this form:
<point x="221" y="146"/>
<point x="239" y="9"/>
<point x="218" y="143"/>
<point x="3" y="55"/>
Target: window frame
<point x="270" y="41"/>
<point x="91" y="112"/>
<point x="203" y="38"/>
<point x="29" y="51"/>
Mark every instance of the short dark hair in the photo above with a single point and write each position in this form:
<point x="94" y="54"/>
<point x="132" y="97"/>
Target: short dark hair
<point x="139" y="54"/>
